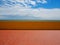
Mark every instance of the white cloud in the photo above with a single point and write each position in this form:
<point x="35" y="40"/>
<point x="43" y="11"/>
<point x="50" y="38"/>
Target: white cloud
<point x="41" y="13"/>
<point x="42" y="1"/>
<point x="33" y="3"/>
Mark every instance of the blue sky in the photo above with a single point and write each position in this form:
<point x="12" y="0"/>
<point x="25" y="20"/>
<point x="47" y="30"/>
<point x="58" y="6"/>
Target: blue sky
<point x="50" y="4"/>
<point x="46" y="10"/>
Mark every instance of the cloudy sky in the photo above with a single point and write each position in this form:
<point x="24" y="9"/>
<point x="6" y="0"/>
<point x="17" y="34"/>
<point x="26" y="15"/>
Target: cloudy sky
<point x="30" y="9"/>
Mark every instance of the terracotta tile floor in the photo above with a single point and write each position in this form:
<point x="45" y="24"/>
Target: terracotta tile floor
<point x="29" y="37"/>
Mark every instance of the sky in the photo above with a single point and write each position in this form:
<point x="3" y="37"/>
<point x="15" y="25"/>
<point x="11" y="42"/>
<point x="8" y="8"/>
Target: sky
<point x="30" y="9"/>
